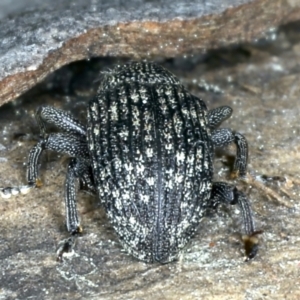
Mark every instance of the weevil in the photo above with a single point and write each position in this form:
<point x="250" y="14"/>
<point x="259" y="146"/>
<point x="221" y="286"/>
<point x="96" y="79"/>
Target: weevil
<point x="146" y="151"/>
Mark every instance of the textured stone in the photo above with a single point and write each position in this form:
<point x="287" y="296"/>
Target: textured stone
<point x="37" y="37"/>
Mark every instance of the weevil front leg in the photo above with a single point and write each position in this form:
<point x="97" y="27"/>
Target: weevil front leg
<point x="62" y="120"/>
<point x="225" y="193"/>
<point x="59" y="118"/>
<point x="224" y="136"/>
<point x="32" y="173"/>
<point x="217" y="115"/>
<point x="71" y="144"/>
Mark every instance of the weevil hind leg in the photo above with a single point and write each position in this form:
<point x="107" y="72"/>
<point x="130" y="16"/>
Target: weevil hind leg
<point x="78" y="172"/>
<point x="225" y="193"/>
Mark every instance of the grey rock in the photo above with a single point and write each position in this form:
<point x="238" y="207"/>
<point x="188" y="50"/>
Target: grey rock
<point x="38" y="37"/>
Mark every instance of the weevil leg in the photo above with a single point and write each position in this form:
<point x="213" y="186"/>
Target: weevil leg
<point x="32" y="173"/>
<point x="71" y="144"/>
<point x="62" y="120"/>
<point x="71" y="188"/>
<point x="225" y="193"/>
<point x="77" y="170"/>
<point x="59" y="118"/>
<point x="217" y="115"/>
<point x="223" y="137"/>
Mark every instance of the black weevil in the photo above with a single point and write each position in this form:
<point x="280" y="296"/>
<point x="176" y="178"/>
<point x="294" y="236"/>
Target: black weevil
<point x="147" y="152"/>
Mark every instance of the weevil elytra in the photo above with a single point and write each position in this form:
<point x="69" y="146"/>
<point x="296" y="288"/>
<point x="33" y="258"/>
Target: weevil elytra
<point x="147" y="152"/>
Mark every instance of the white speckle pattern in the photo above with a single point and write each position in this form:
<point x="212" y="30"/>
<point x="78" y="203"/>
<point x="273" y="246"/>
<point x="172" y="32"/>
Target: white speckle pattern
<point x="148" y="137"/>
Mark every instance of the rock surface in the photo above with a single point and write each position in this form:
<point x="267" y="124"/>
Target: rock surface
<point x="37" y="37"/>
